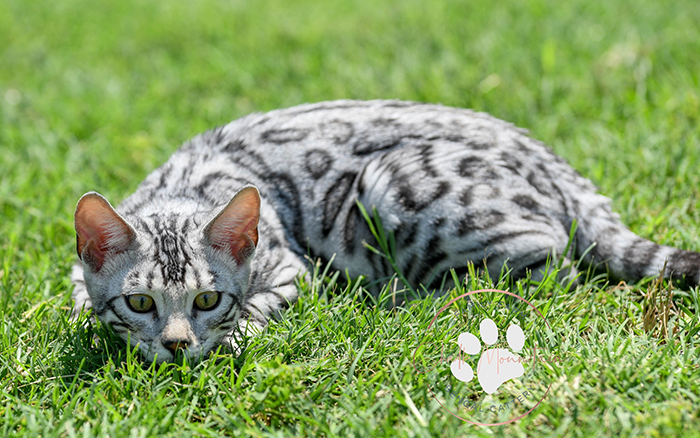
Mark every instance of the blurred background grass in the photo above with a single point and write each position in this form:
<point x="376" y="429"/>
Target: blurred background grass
<point x="95" y="94"/>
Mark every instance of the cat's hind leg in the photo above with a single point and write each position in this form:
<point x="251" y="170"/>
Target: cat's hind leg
<point x="448" y="207"/>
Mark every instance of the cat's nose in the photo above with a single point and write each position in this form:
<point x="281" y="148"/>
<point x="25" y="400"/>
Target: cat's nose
<point x="174" y="346"/>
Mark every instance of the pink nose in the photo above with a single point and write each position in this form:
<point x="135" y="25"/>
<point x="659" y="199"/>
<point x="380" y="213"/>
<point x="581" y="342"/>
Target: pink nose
<point x="173" y="346"/>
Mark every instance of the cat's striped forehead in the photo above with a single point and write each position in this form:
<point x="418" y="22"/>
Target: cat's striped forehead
<point x="171" y="254"/>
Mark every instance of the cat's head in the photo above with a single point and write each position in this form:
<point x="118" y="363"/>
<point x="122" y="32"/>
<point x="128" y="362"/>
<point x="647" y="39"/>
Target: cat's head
<point x="168" y="282"/>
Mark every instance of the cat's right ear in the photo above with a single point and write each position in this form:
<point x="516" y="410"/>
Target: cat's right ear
<point x="101" y="231"/>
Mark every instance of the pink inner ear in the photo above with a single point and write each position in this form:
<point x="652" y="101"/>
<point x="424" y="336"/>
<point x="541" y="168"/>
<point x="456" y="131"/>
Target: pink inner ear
<point x="235" y="229"/>
<point x="237" y="240"/>
<point x="99" y="230"/>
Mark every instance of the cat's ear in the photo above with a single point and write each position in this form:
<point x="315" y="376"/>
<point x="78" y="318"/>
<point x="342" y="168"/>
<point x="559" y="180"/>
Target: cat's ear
<point x="235" y="229"/>
<point x="101" y="231"/>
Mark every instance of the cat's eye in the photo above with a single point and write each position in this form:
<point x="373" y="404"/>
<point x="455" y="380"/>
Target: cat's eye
<point x="140" y="303"/>
<point x="206" y="300"/>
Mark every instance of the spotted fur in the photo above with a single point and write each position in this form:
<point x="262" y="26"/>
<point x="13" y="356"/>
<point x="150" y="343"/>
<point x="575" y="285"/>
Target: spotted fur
<point x="454" y="186"/>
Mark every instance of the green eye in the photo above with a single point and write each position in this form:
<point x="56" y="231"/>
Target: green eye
<point x="140" y="303"/>
<point x="206" y="300"/>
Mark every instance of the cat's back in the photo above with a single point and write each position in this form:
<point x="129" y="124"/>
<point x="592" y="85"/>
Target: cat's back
<point x="309" y="159"/>
<point x="311" y="146"/>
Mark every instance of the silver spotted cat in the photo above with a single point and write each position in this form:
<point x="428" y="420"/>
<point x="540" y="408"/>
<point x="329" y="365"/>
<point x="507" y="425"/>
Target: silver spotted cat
<point x="213" y="240"/>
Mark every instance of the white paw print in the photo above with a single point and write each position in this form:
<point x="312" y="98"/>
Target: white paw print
<point x="496" y="365"/>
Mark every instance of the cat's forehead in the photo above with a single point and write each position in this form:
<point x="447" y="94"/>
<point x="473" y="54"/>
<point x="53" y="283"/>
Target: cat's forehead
<point x="170" y="276"/>
<point x="171" y="254"/>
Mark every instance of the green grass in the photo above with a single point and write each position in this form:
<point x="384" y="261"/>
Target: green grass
<point x="95" y="94"/>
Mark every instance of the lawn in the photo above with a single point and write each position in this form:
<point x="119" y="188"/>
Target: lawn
<point x="96" y="94"/>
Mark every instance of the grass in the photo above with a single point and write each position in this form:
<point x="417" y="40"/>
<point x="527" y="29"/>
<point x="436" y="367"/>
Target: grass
<point x="94" y="95"/>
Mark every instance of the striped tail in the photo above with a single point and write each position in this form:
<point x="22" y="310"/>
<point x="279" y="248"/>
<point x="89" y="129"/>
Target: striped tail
<point x="630" y="257"/>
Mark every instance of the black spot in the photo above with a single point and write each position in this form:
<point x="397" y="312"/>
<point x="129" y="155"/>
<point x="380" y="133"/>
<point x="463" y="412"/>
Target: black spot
<point x="466" y="197"/>
<point x="442" y="189"/>
<point x="537" y="185"/>
<point x="426" y="153"/>
<point x="469" y="166"/>
<point x="407" y="199"/>
<point x="526" y="202"/>
<point x="454" y="138"/>
<point x="185" y="227"/>
<point x="273" y="242"/>
<point x="474" y="222"/>
<point x="511" y="163"/>
<point x="338" y="130"/>
<point x="317" y="163"/>
<point x="234" y="146"/>
<point x="365" y="147"/>
<point x="281" y="136"/>
<point x="334" y="200"/>
<point x="477" y="144"/>
<point x="522" y="147"/>
<point x="384" y="122"/>
<point x="353" y="218"/>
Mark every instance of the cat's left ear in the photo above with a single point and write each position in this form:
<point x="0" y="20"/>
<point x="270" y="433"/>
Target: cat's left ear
<point x="235" y="229"/>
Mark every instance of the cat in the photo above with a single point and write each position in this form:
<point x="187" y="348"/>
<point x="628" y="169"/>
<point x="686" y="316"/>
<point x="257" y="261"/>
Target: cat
<point x="214" y="239"/>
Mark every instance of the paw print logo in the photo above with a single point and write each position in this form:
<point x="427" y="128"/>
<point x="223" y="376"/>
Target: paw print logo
<point x="496" y="365"/>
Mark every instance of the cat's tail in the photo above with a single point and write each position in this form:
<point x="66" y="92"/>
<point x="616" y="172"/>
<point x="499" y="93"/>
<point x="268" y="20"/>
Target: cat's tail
<point x="630" y="257"/>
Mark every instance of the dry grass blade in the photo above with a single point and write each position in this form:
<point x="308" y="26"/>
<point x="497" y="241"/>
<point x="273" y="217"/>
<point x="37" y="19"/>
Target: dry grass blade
<point x="658" y="307"/>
